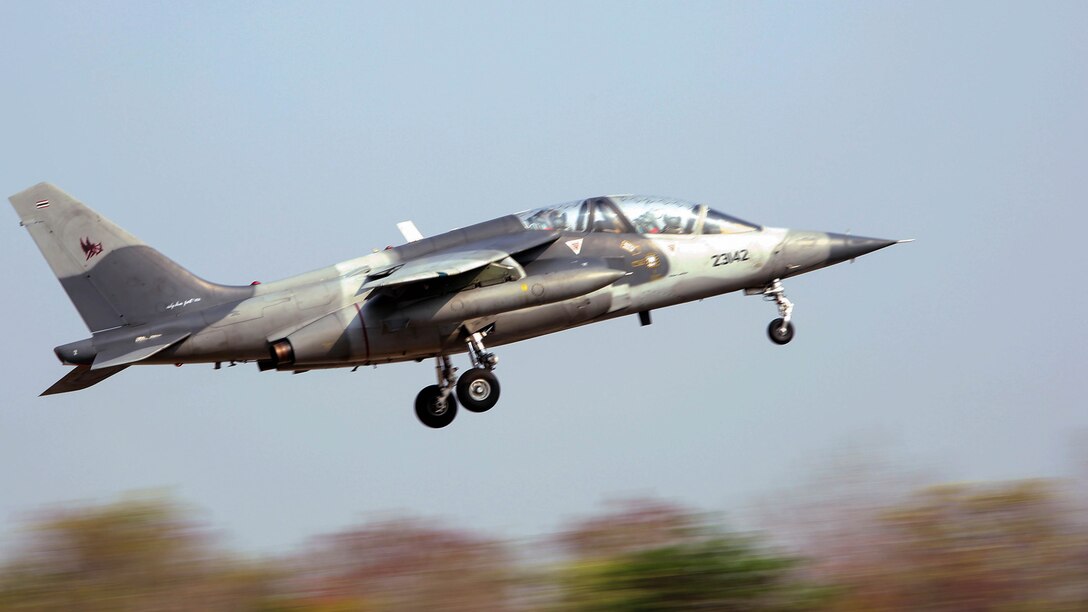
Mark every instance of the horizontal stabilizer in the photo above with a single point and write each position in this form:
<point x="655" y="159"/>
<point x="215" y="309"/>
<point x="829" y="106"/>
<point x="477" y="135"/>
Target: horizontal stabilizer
<point x="81" y="377"/>
<point x="129" y="352"/>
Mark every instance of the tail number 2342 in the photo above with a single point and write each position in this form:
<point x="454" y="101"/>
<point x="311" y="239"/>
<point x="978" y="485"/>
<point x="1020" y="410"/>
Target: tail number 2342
<point x="722" y="259"/>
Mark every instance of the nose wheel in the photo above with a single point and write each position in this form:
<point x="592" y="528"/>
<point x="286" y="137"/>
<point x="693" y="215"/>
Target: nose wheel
<point x="781" y="329"/>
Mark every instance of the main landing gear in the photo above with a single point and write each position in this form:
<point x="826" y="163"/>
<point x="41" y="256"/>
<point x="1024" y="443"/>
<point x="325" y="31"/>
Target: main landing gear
<point x="477" y="388"/>
<point x="435" y="405"/>
<point x="781" y="329"/>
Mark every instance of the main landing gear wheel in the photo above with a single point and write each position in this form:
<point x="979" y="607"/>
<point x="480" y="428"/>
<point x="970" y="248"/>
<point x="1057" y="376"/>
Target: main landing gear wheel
<point x="478" y="390"/>
<point x="433" y="409"/>
<point x="780" y="331"/>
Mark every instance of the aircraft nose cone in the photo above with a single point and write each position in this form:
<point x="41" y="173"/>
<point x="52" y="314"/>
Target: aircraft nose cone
<point x="844" y="246"/>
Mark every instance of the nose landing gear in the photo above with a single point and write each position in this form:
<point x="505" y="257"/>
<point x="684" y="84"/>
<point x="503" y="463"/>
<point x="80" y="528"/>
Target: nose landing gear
<point x="781" y="329"/>
<point x="477" y="388"/>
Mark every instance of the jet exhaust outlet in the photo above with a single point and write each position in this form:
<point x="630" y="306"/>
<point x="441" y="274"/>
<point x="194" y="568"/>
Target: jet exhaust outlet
<point x="282" y="354"/>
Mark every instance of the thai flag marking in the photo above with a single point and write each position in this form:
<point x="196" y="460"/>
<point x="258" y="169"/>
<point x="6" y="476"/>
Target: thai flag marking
<point x="41" y="204"/>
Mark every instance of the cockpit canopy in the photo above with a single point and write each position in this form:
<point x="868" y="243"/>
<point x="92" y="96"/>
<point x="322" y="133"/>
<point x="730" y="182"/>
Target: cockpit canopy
<point x="634" y="214"/>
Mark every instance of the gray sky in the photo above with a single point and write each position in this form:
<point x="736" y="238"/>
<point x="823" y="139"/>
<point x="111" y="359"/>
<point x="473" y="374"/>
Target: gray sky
<point x="259" y="140"/>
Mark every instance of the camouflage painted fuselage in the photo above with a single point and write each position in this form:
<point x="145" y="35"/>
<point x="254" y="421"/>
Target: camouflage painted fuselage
<point x="330" y="323"/>
<point x="511" y="278"/>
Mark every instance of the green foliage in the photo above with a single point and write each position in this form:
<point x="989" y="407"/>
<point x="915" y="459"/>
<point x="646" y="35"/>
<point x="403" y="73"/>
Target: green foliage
<point x="715" y="574"/>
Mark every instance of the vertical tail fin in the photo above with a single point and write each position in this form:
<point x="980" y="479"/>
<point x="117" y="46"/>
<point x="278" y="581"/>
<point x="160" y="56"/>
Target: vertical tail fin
<point x="111" y="277"/>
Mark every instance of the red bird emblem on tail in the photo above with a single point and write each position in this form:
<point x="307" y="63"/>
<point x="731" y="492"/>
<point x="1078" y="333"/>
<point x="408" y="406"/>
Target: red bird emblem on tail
<point x="90" y="249"/>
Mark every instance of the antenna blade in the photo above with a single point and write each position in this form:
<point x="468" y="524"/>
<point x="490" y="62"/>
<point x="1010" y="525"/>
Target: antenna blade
<point x="409" y="231"/>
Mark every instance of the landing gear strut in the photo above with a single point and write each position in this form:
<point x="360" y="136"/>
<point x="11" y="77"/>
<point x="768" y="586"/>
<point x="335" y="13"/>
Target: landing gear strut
<point x="478" y="353"/>
<point x="781" y="329"/>
<point x="477" y="388"/>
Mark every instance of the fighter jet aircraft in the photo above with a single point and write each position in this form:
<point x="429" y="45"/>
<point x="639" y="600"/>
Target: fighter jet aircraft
<point x="500" y="281"/>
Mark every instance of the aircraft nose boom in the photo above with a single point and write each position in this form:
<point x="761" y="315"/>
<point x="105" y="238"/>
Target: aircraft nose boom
<point x="845" y="246"/>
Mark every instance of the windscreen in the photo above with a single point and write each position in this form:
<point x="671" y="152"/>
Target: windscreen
<point x="570" y="216"/>
<point x="718" y="223"/>
<point x="652" y="215"/>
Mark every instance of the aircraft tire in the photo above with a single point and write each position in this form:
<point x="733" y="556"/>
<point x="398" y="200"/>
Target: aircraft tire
<point x="478" y="390"/>
<point x="777" y="334"/>
<point x="427" y="408"/>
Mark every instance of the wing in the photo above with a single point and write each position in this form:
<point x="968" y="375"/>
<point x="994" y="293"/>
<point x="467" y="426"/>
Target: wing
<point x="434" y="266"/>
<point x="457" y="260"/>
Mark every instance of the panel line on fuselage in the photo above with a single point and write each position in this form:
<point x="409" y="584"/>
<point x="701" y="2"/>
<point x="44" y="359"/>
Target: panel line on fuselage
<point x="366" y="336"/>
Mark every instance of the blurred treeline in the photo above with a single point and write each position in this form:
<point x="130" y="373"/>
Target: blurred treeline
<point x="1007" y="546"/>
